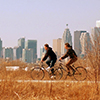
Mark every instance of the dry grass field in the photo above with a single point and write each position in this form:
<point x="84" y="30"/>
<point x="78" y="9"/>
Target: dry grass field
<point x="10" y="89"/>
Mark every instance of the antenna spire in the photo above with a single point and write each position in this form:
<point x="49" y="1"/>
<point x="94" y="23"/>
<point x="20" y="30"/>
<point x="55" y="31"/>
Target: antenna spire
<point x="67" y="25"/>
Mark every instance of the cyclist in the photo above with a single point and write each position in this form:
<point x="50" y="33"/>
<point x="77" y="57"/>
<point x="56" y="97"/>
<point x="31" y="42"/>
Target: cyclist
<point x="52" y="57"/>
<point x="71" y="54"/>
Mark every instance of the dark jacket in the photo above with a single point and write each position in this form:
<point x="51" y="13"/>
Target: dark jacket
<point x="50" y="54"/>
<point x="69" y="53"/>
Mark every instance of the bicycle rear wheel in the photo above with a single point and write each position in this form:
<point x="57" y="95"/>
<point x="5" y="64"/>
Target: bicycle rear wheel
<point x="80" y="73"/>
<point x="56" y="75"/>
<point x="37" y="73"/>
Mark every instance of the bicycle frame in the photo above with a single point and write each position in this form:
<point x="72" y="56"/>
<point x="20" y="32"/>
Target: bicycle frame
<point x="75" y="71"/>
<point x="43" y="68"/>
<point x="61" y="65"/>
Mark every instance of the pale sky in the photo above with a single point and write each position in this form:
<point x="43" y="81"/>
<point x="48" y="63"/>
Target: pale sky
<point x="45" y="20"/>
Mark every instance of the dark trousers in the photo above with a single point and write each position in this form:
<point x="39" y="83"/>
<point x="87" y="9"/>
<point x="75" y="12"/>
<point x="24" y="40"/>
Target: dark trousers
<point x="51" y="63"/>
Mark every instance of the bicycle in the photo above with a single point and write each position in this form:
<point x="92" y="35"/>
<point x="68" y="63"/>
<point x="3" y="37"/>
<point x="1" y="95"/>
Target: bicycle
<point x="79" y="73"/>
<point x="38" y="73"/>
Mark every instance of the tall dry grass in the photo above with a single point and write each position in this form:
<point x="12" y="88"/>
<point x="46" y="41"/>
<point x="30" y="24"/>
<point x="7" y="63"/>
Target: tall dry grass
<point x="92" y="60"/>
<point x="10" y="89"/>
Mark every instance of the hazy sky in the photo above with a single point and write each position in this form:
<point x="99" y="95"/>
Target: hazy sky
<point x="45" y="20"/>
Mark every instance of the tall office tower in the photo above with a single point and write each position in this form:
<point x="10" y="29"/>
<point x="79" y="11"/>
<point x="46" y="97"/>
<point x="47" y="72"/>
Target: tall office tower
<point x="27" y="55"/>
<point x="77" y="45"/>
<point x="3" y="52"/>
<point x="66" y="38"/>
<point x="57" y="46"/>
<point x="9" y="53"/>
<point x="42" y="50"/>
<point x="14" y="53"/>
<point x="85" y="43"/>
<point x="98" y="23"/>
<point x="17" y="52"/>
<point x="96" y="32"/>
<point x="32" y="44"/>
<point x="0" y="48"/>
<point x="96" y="35"/>
<point x="21" y="45"/>
<point x="21" y="42"/>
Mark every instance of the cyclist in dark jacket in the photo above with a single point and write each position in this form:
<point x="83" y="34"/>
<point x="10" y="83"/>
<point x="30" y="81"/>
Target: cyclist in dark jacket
<point x="69" y="53"/>
<point x="52" y="57"/>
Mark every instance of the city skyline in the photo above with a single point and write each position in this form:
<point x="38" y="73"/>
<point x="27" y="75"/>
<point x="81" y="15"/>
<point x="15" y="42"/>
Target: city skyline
<point x="21" y="41"/>
<point x="81" y="42"/>
<point x="45" y="20"/>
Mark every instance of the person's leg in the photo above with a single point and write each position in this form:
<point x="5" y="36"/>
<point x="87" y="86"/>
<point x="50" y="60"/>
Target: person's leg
<point x="52" y="64"/>
<point x="48" y="62"/>
<point x="70" y="61"/>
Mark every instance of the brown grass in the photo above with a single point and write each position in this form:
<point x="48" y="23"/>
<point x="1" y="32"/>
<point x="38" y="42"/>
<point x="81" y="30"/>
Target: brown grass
<point x="11" y="90"/>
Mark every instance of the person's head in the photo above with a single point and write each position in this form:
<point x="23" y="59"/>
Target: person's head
<point x="67" y="45"/>
<point x="46" y="46"/>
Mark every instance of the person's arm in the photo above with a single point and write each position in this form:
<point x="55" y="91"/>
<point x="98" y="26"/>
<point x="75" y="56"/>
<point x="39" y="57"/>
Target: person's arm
<point x="64" y="56"/>
<point x="45" y="57"/>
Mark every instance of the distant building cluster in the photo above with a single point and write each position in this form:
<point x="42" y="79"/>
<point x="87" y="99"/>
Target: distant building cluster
<point x="82" y="41"/>
<point x="26" y="51"/>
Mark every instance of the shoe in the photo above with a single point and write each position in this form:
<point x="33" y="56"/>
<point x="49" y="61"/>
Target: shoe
<point x="42" y="68"/>
<point x="48" y="69"/>
<point x="53" y="77"/>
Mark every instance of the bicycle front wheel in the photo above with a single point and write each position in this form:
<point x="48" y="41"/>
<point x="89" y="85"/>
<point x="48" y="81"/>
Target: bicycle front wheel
<point x="57" y="74"/>
<point x="37" y="73"/>
<point x="80" y="73"/>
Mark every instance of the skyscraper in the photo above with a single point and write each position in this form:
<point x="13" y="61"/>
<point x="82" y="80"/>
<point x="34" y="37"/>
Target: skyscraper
<point x="0" y="48"/>
<point x="32" y="44"/>
<point x="85" y="43"/>
<point x="27" y="55"/>
<point x="21" y="46"/>
<point x="9" y="53"/>
<point x="42" y="50"/>
<point x="98" y="23"/>
<point x="77" y="45"/>
<point x="96" y="36"/>
<point x="21" y="42"/>
<point x="66" y="38"/>
<point x="96" y="31"/>
<point x="3" y="52"/>
<point x="57" y="46"/>
<point x="17" y="52"/>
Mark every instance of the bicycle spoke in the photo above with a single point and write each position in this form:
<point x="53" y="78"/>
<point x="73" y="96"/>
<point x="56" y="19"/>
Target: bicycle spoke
<point x="37" y="74"/>
<point x="80" y="74"/>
